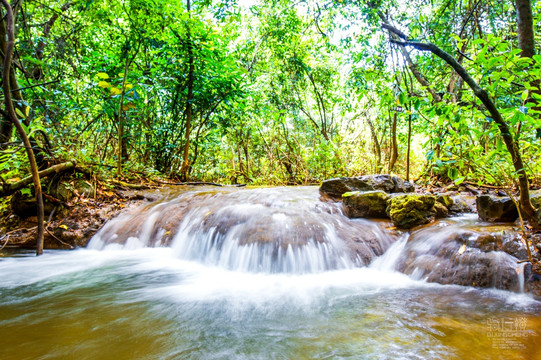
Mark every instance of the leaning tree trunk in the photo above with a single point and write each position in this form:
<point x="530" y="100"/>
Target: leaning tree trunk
<point x="512" y="147"/>
<point x="6" y="125"/>
<point x="8" y="53"/>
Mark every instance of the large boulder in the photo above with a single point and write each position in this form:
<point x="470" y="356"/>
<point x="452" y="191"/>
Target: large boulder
<point x="409" y="210"/>
<point x="371" y="204"/>
<point x="496" y="209"/>
<point x="334" y="188"/>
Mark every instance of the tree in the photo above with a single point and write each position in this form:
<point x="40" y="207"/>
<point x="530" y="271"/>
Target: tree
<point x="11" y="114"/>
<point x="512" y="147"/>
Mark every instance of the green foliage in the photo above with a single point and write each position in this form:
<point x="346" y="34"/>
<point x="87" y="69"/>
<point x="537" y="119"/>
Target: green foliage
<point x="284" y="92"/>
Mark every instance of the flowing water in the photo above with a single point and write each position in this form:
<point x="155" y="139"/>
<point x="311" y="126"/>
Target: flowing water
<point x="173" y="281"/>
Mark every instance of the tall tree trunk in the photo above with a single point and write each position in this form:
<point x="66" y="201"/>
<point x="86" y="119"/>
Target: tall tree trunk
<point x="122" y="148"/>
<point x="525" y="34"/>
<point x="394" y="143"/>
<point x="8" y="53"/>
<point x="186" y="163"/>
<point x="526" y="43"/>
<point x="375" y="142"/>
<point x="409" y="148"/>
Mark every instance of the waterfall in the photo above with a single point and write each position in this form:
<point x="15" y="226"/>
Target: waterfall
<point x="268" y="230"/>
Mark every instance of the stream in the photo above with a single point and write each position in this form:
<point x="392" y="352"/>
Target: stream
<point x="270" y="273"/>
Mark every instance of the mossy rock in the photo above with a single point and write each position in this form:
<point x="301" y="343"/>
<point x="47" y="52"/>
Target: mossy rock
<point x="445" y="200"/>
<point x="409" y="210"/>
<point x="84" y="188"/>
<point x="441" y="210"/>
<point x="371" y="204"/>
<point x="66" y="191"/>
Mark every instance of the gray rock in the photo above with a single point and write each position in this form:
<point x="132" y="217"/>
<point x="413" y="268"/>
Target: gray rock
<point x="457" y="203"/>
<point x="334" y="188"/>
<point x="496" y="209"/>
<point x="382" y="182"/>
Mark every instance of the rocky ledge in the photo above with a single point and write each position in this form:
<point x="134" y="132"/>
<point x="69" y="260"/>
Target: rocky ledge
<point x="390" y="197"/>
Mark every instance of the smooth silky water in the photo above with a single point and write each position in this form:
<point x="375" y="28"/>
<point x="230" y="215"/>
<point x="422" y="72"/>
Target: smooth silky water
<point x="142" y="295"/>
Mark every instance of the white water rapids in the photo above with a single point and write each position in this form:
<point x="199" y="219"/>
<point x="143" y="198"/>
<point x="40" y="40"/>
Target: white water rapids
<point x="160" y="286"/>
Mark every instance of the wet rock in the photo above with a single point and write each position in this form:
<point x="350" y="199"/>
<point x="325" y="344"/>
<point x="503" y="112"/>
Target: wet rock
<point x="388" y="183"/>
<point x="535" y="198"/>
<point x="334" y="188"/>
<point x="457" y="203"/>
<point x="409" y="210"/>
<point x="402" y="186"/>
<point x="382" y="182"/>
<point x="463" y="204"/>
<point x="445" y="200"/>
<point x="371" y="204"/>
<point x="496" y="209"/>
<point x="513" y="246"/>
<point x="532" y="280"/>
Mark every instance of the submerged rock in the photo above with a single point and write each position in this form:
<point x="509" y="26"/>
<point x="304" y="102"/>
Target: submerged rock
<point x="409" y="210"/>
<point x="371" y="204"/>
<point x="335" y="188"/>
<point x="496" y="209"/>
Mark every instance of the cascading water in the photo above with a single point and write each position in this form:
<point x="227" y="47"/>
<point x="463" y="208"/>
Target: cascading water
<point x="263" y="274"/>
<point x="271" y="230"/>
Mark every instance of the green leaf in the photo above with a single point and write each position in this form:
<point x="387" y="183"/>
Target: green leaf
<point x="20" y="113"/>
<point x="460" y="180"/>
<point x="453" y="173"/>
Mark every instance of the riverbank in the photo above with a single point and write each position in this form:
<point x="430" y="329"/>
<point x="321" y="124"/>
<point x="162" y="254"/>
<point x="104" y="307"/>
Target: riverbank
<point x="69" y="224"/>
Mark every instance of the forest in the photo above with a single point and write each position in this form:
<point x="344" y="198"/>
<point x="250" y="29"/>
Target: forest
<point x="270" y="179"/>
<point x="271" y="92"/>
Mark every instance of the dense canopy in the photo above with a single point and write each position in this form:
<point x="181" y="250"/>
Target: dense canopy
<point x="275" y="92"/>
